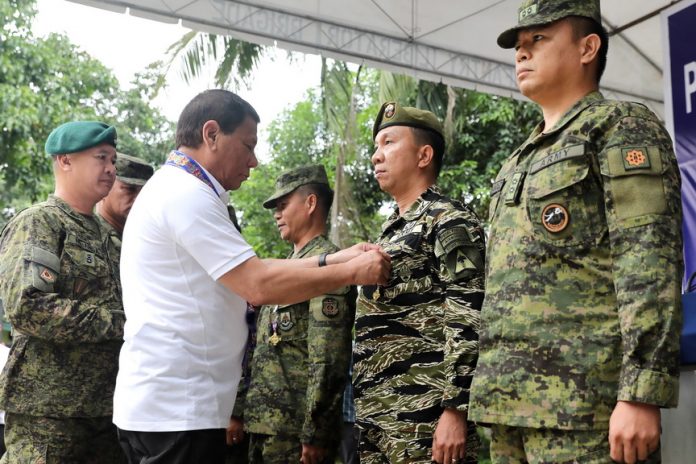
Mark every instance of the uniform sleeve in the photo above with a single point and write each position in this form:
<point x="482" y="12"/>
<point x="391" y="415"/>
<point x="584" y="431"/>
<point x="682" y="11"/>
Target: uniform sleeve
<point x="643" y="214"/>
<point x="30" y="265"/>
<point x="329" y="343"/>
<point x="460" y="256"/>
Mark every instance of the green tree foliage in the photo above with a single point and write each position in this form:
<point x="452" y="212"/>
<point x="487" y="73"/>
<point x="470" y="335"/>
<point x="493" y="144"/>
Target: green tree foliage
<point x="142" y="130"/>
<point x="235" y="59"/>
<point x="45" y="82"/>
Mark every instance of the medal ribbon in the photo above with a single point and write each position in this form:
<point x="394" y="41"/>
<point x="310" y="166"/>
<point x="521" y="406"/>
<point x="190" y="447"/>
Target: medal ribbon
<point x="188" y="164"/>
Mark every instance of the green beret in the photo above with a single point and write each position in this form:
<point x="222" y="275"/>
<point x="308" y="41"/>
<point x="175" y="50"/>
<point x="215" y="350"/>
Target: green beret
<point x="290" y="180"/>
<point x="76" y="136"/>
<point x="542" y="12"/>
<point x="131" y="170"/>
<point x="393" y="114"/>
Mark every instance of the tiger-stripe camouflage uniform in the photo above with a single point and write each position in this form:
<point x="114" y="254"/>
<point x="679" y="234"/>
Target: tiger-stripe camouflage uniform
<point x="416" y="338"/>
<point x="61" y="295"/>
<point x="298" y="372"/>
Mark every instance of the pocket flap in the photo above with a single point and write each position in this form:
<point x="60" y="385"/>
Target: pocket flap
<point x="44" y="258"/>
<point x="557" y="177"/>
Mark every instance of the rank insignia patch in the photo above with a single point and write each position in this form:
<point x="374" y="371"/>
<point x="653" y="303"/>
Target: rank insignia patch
<point x="47" y="276"/>
<point x="286" y="322"/>
<point x="389" y="111"/>
<point x="635" y="158"/>
<point x="555" y="218"/>
<point x="329" y="307"/>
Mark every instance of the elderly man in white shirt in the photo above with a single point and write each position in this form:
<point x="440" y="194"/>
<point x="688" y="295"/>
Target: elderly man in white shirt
<point x="187" y="274"/>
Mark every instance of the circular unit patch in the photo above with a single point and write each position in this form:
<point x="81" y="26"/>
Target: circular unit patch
<point x="329" y="307"/>
<point x="555" y="218"/>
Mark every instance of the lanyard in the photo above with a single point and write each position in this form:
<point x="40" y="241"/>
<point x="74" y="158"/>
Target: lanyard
<point x="188" y="164"/>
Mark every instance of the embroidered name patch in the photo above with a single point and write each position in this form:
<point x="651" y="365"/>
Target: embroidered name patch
<point x="574" y="151"/>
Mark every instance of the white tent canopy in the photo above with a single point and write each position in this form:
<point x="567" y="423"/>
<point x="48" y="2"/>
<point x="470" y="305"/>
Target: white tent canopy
<point x="450" y="41"/>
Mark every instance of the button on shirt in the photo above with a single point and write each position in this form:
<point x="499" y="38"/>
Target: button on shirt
<point x="185" y="333"/>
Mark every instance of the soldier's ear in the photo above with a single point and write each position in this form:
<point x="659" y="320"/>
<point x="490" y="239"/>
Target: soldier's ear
<point x="63" y="162"/>
<point x="311" y="203"/>
<point x="425" y="156"/>
<point x="589" y="48"/>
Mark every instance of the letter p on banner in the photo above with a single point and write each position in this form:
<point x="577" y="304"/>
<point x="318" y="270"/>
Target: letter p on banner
<point x="689" y="84"/>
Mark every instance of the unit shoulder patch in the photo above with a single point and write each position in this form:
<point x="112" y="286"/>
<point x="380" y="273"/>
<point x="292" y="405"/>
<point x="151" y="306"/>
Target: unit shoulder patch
<point x="635" y="158"/>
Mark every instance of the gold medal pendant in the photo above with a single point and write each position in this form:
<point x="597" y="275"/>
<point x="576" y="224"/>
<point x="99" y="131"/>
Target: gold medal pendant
<point x="274" y="339"/>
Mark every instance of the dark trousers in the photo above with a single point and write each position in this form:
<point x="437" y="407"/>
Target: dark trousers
<point x="349" y="444"/>
<point x="187" y="447"/>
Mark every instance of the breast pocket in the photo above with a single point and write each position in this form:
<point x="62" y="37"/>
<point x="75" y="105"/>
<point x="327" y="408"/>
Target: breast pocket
<point x="82" y="268"/>
<point x="410" y="267"/>
<point x="565" y="204"/>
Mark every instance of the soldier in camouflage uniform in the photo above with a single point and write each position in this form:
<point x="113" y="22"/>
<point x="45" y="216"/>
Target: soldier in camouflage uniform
<point x="62" y="297"/>
<point x="131" y="175"/>
<point x="581" y="321"/>
<point x="299" y="367"/>
<point x="416" y="337"/>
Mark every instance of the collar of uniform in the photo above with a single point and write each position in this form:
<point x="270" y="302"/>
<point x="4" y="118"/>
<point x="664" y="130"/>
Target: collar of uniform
<point x="416" y="210"/>
<point x="538" y="133"/>
<point x="309" y="246"/>
<point x="63" y="205"/>
<point x="110" y="230"/>
<point x="575" y="110"/>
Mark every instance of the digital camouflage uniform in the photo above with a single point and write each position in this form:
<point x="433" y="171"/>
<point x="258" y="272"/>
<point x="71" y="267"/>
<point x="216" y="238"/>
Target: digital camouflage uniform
<point x="416" y="337"/>
<point x="583" y="276"/>
<point x="297" y="379"/>
<point x="62" y="297"/>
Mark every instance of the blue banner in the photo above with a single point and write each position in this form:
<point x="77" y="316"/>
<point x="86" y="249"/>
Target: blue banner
<point x="681" y="62"/>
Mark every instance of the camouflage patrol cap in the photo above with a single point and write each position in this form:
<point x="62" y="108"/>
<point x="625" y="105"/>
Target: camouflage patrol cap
<point x="290" y="180"/>
<point x="73" y="137"/>
<point x="541" y="12"/>
<point x="393" y="114"/>
<point x="131" y="170"/>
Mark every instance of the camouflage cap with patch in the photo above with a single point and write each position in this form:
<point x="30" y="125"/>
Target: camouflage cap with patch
<point x="131" y="170"/>
<point x="540" y="12"/>
<point x="393" y="114"/>
<point x="290" y="180"/>
<point x="76" y="136"/>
